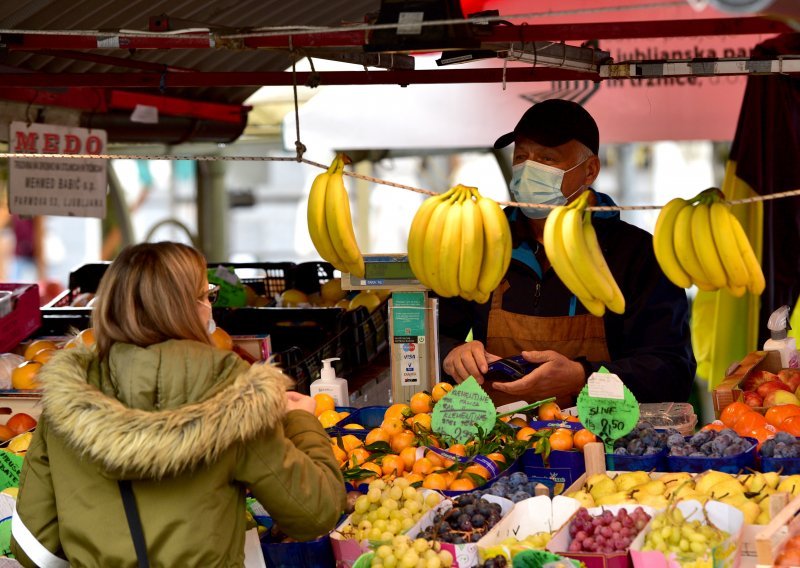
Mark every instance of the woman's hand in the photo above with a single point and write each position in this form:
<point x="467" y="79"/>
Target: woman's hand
<point x="556" y="376"/>
<point x="470" y="359"/>
<point x="297" y="401"/>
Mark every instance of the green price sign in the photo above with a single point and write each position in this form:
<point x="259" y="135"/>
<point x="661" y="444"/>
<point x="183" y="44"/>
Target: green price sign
<point x="10" y="466"/>
<point x="231" y="290"/>
<point x="607" y="408"/>
<point x="461" y="411"/>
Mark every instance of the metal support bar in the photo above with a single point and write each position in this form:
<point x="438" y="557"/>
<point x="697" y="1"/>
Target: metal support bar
<point x="700" y="68"/>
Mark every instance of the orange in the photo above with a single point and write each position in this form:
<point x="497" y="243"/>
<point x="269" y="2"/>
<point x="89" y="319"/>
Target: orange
<point x="221" y="340"/>
<point x="44" y="356"/>
<point x="421" y="403"/>
<point x="477" y="469"/>
<point x="439" y="390"/>
<point x="402" y="440"/>
<point x="791" y="425"/>
<point x="781" y="412"/>
<point x="377" y="435"/>
<point x="448" y="475"/>
<point x="421" y="420"/>
<point x="36" y="346"/>
<point x="583" y="437"/>
<point x="525" y="433"/>
<point x="435" y="481"/>
<point x="391" y="464"/>
<point x="458" y="449"/>
<point x="462" y="484"/>
<point x="570" y="418"/>
<point x="762" y="433"/>
<point x="398" y="410"/>
<point x="324" y="402"/>
<point x="409" y="456"/>
<point x="497" y="457"/>
<point x="435" y="458"/>
<point x="422" y="466"/>
<point x="748" y="422"/>
<point x="6" y="433"/>
<point x="414" y="477"/>
<point x="517" y="421"/>
<point x="328" y="418"/>
<point x="87" y="337"/>
<point x="338" y="453"/>
<point x="561" y="439"/>
<point x="21" y="422"/>
<point x="716" y="426"/>
<point x="373" y="467"/>
<point x="549" y="411"/>
<point x="732" y="412"/>
<point x="23" y="377"/>
<point x="357" y="457"/>
<point x="351" y="442"/>
<point x="393" y="426"/>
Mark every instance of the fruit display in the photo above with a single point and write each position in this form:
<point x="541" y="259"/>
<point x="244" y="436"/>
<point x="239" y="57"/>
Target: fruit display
<point x="606" y="533"/>
<point x="515" y="488"/>
<point x="690" y="541"/>
<point x="469" y="519"/>
<point x="404" y="552"/>
<point x="764" y="389"/>
<point x="643" y="440"/>
<point x="572" y="248"/>
<point x="699" y="241"/>
<point x="459" y="244"/>
<point x="708" y="443"/>
<point x="329" y="222"/>
<point x="783" y="445"/>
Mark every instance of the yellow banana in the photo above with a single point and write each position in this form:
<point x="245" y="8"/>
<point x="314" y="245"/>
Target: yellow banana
<point x="556" y="253"/>
<point x="355" y="268"/>
<point x="431" y="262"/>
<point x="617" y="302"/>
<point x="737" y="291"/>
<point x="684" y="249"/>
<point x="496" y="245"/>
<point x="450" y="248"/>
<point x="663" y="243"/>
<point x="317" y="227"/>
<point x="705" y="248"/>
<point x="471" y="253"/>
<point x="416" y="234"/>
<point x="728" y="249"/>
<point x="756" y="282"/>
<point x="337" y="216"/>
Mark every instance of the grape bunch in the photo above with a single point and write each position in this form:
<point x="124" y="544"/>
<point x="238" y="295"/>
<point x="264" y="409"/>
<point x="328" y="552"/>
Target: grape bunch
<point x="670" y="533"/>
<point x="468" y="520"/>
<point x="607" y="532"/>
<point x="387" y="510"/>
<point x="406" y="553"/>
<point x="708" y="444"/>
<point x="643" y="440"/>
<point x="514" y="487"/>
<point x="783" y="445"/>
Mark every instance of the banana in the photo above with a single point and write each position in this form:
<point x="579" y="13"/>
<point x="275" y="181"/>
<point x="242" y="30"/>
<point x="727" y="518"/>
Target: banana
<point x="756" y="282"/>
<point x="556" y="254"/>
<point x="727" y="247"/>
<point x="496" y="245"/>
<point x="471" y="253"/>
<point x="704" y="246"/>
<point x="431" y="263"/>
<point x="416" y="234"/>
<point x="578" y="254"/>
<point x="317" y="227"/>
<point x="337" y="218"/>
<point x="617" y="302"/>
<point x="664" y="247"/>
<point x="737" y="291"/>
<point x="450" y="248"/>
<point x="684" y="249"/>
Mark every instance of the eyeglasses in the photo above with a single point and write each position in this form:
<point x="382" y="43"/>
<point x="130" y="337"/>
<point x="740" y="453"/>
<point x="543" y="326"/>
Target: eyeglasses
<point x="213" y="293"/>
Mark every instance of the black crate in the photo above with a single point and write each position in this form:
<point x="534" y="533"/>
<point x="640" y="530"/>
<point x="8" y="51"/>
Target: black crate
<point x="308" y="277"/>
<point x="266" y="278"/>
<point x="369" y="333"/>
<point x="305" y="367"/>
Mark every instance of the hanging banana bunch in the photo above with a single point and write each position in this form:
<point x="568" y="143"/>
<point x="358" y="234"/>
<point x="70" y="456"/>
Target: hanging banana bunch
<point x="459" y="244"/>
<point x="699" y="241"/>
<point x="329" y="222"/>
<point x="571" y="245"/>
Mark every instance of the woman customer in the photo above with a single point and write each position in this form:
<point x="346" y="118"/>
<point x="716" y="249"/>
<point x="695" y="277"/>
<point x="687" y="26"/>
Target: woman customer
<point x="155" y="428"/>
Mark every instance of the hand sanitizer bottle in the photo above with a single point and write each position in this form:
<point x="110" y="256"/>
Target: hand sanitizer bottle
<point x="330" y="384"/>
<point x="778" y="325"/>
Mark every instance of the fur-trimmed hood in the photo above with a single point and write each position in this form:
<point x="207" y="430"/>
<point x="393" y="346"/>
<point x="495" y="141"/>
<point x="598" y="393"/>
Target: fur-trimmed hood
<point x="82" y="403"/>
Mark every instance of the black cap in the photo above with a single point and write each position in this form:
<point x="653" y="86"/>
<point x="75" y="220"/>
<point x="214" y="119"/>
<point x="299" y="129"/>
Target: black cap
<point x="555" y="122"/>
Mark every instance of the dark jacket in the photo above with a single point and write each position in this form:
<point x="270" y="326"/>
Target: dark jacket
<point x="649" y="345"/>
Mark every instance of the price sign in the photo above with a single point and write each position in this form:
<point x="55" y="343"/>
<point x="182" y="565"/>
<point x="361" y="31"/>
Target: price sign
<point x="607" y="408"/>
<point x="231" y="289"/>
<point x="461" y="411"/>
<point x="10" y="466"/>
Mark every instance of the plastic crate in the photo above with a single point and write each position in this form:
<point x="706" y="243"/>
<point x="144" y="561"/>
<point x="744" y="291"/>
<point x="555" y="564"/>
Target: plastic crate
<point x="565" y="467"/>
<point x="654" y="462"/>
<point x="369" y="333"/>
<point x="305" y="366"/>
<point x="266" y="278"/>
<point x="730" y="464"/>
<point x="308" y="277"/>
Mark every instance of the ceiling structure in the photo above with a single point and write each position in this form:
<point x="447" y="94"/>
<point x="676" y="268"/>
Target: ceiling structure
<point x="197" y="61"/>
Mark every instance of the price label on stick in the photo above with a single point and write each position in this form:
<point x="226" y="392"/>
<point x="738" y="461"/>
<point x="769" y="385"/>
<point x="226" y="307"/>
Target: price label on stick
<point x="607" y="408"/>
<point x="461" y="411"/>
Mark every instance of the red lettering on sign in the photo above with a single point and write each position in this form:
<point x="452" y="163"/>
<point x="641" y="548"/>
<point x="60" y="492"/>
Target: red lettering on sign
<point x="72" y="144"/>
<point x="93" y="145"/>
<point x="50" y="143"/>
<point x="26" y="143"/>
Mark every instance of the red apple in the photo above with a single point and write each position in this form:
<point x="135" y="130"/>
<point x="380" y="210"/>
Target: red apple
<point x="752" y="399"/>
<point x="791" y="377"/>
<point x="758" y="378"/>
<point x="780" y="396"/>
<point x="770" y="386"/>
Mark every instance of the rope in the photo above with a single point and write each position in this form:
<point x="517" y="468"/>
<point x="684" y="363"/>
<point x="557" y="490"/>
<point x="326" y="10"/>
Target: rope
<point x="377" y="181"/>
<point x="299" y="147"/>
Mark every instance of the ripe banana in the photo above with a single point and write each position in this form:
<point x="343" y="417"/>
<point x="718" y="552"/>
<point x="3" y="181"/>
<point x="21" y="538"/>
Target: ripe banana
<point x="471" y="253"/>
<point x="684" y="249"/>
<point x="416" y="234"/>
<point x="339" y="222"/>
<point x="705" y="247"/>
<point x="617" y="302"/>
<point x="663" y="243"/>
<point x="450" y="248"/>
<point x="727" y="247"/>
<point x="317" y="227"/>
<point x="496" y="245"/>
<point x="579" y="255"/>
<point x="756" y="282"/>
<point x="434" y="232"/>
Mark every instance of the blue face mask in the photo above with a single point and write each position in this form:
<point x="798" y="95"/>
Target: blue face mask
<point x="533" y="182"/>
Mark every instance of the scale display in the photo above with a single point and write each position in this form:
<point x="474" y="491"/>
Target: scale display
<point x="384" y="271"/>
<point x="388" y="270"/>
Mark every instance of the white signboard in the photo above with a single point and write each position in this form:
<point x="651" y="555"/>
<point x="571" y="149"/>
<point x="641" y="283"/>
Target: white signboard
<point x="67" y="187"/>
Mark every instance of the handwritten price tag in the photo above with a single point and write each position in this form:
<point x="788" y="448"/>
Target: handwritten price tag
<point x="10" y="467"/>
<point x="461" y="411"/>
<point x="608" y="416"/>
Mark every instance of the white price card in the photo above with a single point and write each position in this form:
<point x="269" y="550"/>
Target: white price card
<point x="605" y="385"/>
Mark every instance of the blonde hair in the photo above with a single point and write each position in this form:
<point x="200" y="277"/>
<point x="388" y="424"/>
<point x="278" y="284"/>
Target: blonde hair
<point x="148" y="295"/>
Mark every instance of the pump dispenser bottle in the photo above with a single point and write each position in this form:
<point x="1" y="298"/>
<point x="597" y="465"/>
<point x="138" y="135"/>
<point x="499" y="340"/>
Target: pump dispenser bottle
<point x="330" y="384"/>
<point x="778" y="325"/>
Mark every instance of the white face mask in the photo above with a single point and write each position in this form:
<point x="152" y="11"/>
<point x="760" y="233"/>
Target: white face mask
<point x="533" y="182"/>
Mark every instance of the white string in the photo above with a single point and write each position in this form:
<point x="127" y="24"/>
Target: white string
<point x="378" y="181"/>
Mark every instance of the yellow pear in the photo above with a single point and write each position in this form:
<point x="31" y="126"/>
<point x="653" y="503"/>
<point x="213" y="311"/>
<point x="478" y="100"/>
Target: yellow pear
<point x="676" y="477"/>
<point x="655" y="487"/>
<point x="599" y="485"/>
<point x="751" y="511"/>
<point x="629" y="480"/>
<point x="616" y="498"/>
<point x="735" y="500"/>
<point x="711" y="478"/>
<point x="756" y="483"/>
<point x="790" y="485"/>
<point x="680" y="491"/>
<point x="772" y="479"/>
<point x="763" y="518"/>
<point x="694" y="496"/>
<point x="583" y="498"/>
<point x="728" y="487"/>
<point x="654" y="501"/>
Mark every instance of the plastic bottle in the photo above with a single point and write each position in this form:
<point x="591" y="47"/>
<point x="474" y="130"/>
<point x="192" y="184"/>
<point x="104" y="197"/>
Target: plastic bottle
<point x="778" y="325"/>
<point x="330" y="384"/>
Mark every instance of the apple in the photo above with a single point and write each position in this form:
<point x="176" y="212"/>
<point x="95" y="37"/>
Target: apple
<point x="780" y="396"/>
<point x="770" y="386"/>
<point x="758" y="378"/>
<point x="752" y="398"/>
<point x="791" y="377"/>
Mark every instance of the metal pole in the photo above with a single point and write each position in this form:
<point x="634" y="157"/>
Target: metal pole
<point x="212" y="210"/>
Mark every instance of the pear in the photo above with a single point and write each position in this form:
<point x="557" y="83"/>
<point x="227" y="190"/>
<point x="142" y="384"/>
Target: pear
<point x="654" y="501"/>
<point x="655" y="487"/>
<point x="734" y="500"/>
<point x="728" y="487"/>
<point x="790" y="485"/>
<point x="756" y="483"/>
<point x="750" y="510"/>
<point x="763" y="518"/>
<point x="694" y="496"/>
<point x="616" y="498"/>
<point x="772" y="479"/>
<point x="680" y="491"/>
<point x="599" y="485"/>
<point x="677" y="477"/>
<point x="627" y="481"/>
<point x="710" y="479"/>
<point x="583" y="498"/>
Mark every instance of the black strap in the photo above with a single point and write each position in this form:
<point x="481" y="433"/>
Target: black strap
<point x="134" y="522"/>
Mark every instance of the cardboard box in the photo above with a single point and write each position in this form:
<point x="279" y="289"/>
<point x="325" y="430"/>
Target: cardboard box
<point x="771" y="539"/>
<point x="257" y="347"/>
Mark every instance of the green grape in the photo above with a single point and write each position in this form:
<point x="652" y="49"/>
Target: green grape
<point x="409" y="492"/>
<point x="396" y="492"/>
<point x="374" y="494"/>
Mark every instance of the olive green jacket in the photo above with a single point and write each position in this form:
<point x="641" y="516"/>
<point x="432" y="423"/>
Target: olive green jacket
<point x="192" y="426"/>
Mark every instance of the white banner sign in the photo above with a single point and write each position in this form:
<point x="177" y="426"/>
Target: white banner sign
<point x="67" y="187"/>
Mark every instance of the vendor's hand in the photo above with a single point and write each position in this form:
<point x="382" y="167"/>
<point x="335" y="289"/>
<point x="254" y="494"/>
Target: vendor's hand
<point x="557" y="376"/>
<point x="297" y="401"/>
<point x="468" y="359"/>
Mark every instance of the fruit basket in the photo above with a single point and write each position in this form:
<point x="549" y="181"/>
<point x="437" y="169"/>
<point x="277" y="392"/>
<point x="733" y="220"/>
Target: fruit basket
<point x="563" y="468"/>
<point x="730" y="464"/>
<point x="781" y="454"/>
